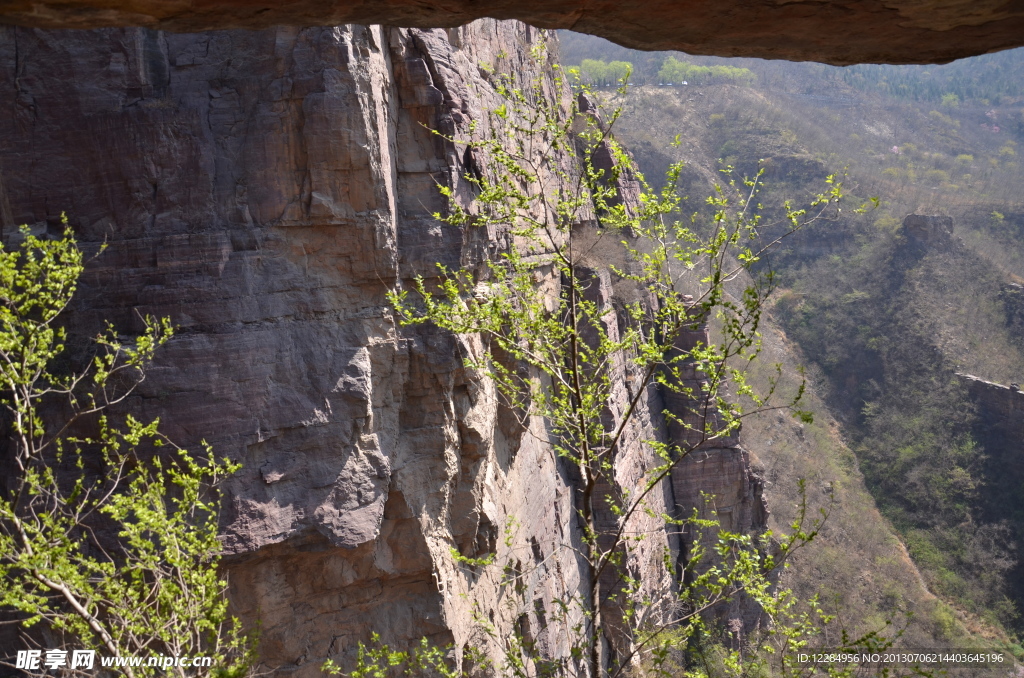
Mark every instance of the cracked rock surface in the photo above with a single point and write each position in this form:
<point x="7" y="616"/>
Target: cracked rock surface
<point x="265" y="189"/>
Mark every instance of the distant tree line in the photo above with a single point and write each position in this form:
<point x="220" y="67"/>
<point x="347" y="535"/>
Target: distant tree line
<point x="598" y="73"/>
<point x="674" y="71"/>
<point x="988" y="79"/>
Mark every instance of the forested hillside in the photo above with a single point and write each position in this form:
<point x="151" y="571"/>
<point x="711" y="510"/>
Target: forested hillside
<point x="883" y="313"/>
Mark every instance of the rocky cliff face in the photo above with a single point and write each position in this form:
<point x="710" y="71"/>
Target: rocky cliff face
<point x="265" y="190"/>
<point x="926" y="231"/>
<point x="999" y="428"/>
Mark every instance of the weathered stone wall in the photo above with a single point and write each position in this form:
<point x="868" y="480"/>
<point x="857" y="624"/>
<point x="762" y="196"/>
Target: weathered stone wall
<point x="265" y="190"/>
<point x="1001" y="406"/>
<point x="999" y="429"/>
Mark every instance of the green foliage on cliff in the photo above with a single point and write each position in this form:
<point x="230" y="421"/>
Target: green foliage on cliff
<point x="536" y="324"/>
<point x="552" y="353"/>
<point x="108" y="531"/>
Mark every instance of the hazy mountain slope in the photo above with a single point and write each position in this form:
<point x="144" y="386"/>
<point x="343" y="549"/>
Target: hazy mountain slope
<point x="858" y="565"/>
<point x="884" y="320"/>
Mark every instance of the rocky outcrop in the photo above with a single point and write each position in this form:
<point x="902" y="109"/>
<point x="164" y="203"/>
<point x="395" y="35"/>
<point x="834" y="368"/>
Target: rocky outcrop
<point x="839" y="32"/>
<point x="1012" y="296"/>
<point x="265" y="190"/>
<point x="925" y="231"/>
<point x="715" y="480"/>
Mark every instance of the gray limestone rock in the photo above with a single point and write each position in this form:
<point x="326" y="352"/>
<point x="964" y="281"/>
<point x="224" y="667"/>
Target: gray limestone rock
<point x="265" y="190"/>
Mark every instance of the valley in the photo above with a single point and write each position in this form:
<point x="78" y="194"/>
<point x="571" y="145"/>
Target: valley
<point x="884" y="310"/>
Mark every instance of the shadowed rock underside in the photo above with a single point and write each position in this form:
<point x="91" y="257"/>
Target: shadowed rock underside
<point x="834" y="31"/>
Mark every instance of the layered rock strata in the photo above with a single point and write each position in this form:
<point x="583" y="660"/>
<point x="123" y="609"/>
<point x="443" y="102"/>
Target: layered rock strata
<point x="265" y="190"/>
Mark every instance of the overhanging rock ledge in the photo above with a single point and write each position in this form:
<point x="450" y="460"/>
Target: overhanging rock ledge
<point x="839" y="32"/>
